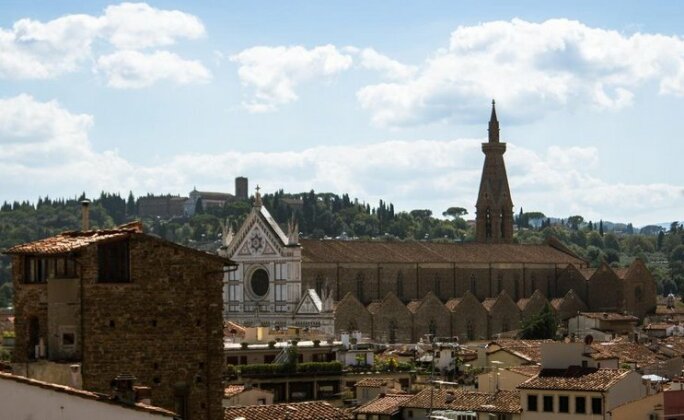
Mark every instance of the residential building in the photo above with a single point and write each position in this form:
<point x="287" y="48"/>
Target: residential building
<point x="469" y="405"/>
<point x="93" y="304"/>
<point x="240" y="395"/>
<point x="318" y="410"/>
<point x="602" y="326"/>
<point x="384" y="407"/>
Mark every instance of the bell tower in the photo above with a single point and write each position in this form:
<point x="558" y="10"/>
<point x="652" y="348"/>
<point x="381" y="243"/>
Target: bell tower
<point x="494" y="220"/>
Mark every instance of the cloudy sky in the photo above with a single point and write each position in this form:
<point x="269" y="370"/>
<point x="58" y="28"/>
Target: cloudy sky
<point x="378" y="99"/>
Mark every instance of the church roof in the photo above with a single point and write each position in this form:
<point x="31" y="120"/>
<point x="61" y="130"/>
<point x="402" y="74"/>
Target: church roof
<point x="314" y="251"/>
<point x="273" y="225"/>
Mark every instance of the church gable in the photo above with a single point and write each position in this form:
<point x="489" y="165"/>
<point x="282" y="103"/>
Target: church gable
<point x="431" y="317"/>
<point x="569" y="305"/>
<point x="310" y="303"/>
<point x="603" y="280"/>
<point x="351" y="315"/>
<point x="504" y="314"/>
<point x="533" y="305"/>
<point x="469" y="318"/>
<point x="392" y="322"/>
<point x="255" y="240"/>
<point x="571" y="278"/>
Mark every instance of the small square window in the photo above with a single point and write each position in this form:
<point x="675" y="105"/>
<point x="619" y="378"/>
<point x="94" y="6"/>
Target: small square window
<point x="531" y="403"/>
<point x="68" y="339"/>
<point x="563" y="404"/>
<point x="548" y="403"/>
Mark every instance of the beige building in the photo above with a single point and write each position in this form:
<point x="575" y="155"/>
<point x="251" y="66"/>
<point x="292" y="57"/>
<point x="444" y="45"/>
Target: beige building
<point x="237" y="395"/>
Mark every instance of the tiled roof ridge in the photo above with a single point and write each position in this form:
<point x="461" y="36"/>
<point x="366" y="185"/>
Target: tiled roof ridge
<point x="86" y="394"/>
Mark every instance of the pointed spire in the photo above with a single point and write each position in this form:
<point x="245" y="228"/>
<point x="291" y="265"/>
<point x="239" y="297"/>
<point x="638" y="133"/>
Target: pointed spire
<point x="493" y="125"/>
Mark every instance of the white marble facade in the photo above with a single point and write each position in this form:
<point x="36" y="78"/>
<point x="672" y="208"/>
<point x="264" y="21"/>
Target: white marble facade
<point x="266" y="288"/>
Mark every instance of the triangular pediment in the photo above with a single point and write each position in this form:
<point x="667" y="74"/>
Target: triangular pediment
<point x="310" y="303"/>
<point x="256" y="237"/>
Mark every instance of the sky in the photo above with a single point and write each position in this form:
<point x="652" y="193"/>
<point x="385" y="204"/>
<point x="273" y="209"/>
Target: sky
<point x="382" y="100"/>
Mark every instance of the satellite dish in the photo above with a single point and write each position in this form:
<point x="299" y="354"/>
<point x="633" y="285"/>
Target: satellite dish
<point x="588" y="339"/>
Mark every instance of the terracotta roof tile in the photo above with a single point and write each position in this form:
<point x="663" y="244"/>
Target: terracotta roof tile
<point x="429" y="252"/>
<point x="86" y="394"/>
<point x="458" y="399"/>
<point x="575" y="378"/>
<point x="388" y="404"/>
<point x="413" y="305"/>
<point x="233" y="390"/>
<point x="69" y="241"/>
<point x="453" y="303"/>
<point x="609" y="316"/>
<point x="527" y="370"/>
<point x="628" y="352"/>
<point x="374" y="382"/>
<point x="529" y="350"/>
<point x="319" y="410"/>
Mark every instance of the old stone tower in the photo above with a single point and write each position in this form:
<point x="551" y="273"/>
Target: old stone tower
<point x="494" y="222"/>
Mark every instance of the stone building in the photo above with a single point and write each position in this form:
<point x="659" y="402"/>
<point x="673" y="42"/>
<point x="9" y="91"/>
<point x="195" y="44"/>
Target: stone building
<point x="93" y="304"/>
<point x="208" y="199"/>
<point x="164" y="206"/>
<point x="462" y="276"/>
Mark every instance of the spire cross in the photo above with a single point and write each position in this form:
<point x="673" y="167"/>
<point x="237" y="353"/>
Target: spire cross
<point x="258" y="188"/>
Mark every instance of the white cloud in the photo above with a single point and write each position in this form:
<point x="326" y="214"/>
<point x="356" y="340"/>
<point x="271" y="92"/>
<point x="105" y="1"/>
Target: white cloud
<point x="45" y="50"/>
<point x="274" y="72"/>
<point x="531" y="67"/>
<point x="391" y="69"/>
<point x="133" y="69"/>
<point x="138" y="26"/>
<point x="46" y="147"/>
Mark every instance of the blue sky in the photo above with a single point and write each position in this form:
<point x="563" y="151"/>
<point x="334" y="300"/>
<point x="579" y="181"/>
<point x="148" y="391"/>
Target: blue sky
<point x="383" y="100"/>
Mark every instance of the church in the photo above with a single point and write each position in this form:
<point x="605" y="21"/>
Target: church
<point x="398" y="291"/>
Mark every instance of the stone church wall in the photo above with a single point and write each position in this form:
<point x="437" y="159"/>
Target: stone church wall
<point x="399" y="279"/>
<point x="469" y="319"/>
<point x="436" y="278"/>
<point x="570" y="278"/>
<point x="392" y="322"/>
<point x="351" y="315"/>
<point x="504" y="315"/>
<point x="431" y="317"/>
<point x="605" y="291"/>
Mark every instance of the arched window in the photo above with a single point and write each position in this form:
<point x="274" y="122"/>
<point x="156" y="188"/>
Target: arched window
<point x="319" y="284"/>
<point x="392" y="331"/>
<point x="473" y="284"/>
<point x="503" y="228"/>
<point x="432" y="328"/>
<point x="400" y="285"/>
<point x="470" y="329"/>
<point x="638" y="294"/>
<point x="488" y="223"/>
<point x="359" y="287"/>
<point x="437" y="289"/>
<point x="499" y="282"/>
<point x="352" y="326"/>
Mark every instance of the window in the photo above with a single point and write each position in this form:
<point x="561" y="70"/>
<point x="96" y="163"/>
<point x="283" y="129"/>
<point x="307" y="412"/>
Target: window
<point x="113" y="262"/>
<point x="638" y="294"/>
<point x="488" y="223"/>
<point x="392" y="331"/>
<point x="35" y="270"/>
<point x="580" y="405"/>
<point x="563" y="404"/>
<point x="432" y="328"/>
<point x="359" y="287"/>
<point x="437" y="286"/>
<point x="503" y="224"/>
<point x="596" y="406"/>
<point x="400" y="285"/>
<point x="259" y="282"/>
<point x="531" y="402"/>
<point x="470" y="329"/>
<point x="548" y="403"/>
<point x="64" y="268"/>
<point x="319" y="285"/>
<point x="68" y="339"/>
<point x="473" y="285"/>
<point x="499" y="282"/>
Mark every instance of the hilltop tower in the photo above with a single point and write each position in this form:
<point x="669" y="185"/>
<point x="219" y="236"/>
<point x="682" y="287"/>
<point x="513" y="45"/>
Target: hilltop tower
<point x="494" y="221"/>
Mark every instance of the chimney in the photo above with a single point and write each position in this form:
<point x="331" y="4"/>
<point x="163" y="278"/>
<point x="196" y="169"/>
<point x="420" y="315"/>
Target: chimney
<point x="143" y="394"/>
<point x="85" y="215"/>
<point x="122" y="386"/>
